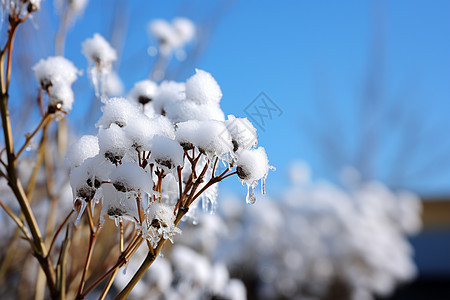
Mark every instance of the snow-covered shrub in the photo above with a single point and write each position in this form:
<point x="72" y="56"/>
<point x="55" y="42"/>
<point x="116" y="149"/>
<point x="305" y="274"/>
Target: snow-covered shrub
<point x="318" y="239"/>
<point x="172" y="36"/>
<point x="183" y="273"/>
<point x="152" y="161"/>
<point x="100" y="56"/>
<point x="150" y="150"/>
<point x="56" y="75"/>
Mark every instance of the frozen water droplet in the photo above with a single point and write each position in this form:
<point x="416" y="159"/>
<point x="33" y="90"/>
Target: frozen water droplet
<point x="250" y="198"/>
<point x="28" y="149"/>
<point x="195" y="221"/>
<point x="125" y="270"/>
<point x="152" y="51"/>
<point x="116" y="221"/>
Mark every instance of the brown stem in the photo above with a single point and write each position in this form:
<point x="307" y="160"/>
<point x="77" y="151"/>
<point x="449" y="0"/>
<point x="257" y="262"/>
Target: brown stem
<point x="146" y="263"/>
<point x="198" y="181"/>
<point x="61" y="34"/>
<point x="121" y="261"/>
<point x="12" y="34"/>
<point x="43" y="122"/>
<point x="60" y="227"/>
<point x="14" y="182"/>
<point x="19" y="224"/>
<point x="108" y="284"/>
<point x="99" y="280"/>
<point x="89" y="254"/>
<point x="214" y="167"/>
<point x="32" y="181"/>
<point x="61" y="267"/>
<point x="121" y="236"/>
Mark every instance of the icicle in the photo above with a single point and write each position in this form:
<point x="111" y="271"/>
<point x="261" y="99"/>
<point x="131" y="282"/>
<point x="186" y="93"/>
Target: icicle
<point x="33" y="22"/>
<point x="263" y="185"/>
<point x="213" y="207"/>
<point x="95" y="80"/>
<point x="204" y="204"/>
<point x="116" y="221"/>
<point x="92" y="206"/>
<point x="250" y="198"/>
<point x="82" y="208"/>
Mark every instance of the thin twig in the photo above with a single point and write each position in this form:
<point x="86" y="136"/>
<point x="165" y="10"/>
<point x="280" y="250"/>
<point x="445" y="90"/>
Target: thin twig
<point x="108" y="284"/>
<point x="92" y="240"/>
<point x="146" y="263"/>
<point x="121" y="235"/>
<point x="14" y="182"/>
<point x="47" y="117"/>
<point x="121" y="261"/>
<point x="19" y="224"/>
<point x="61" y="267"/>
<point x="60" y="227"/>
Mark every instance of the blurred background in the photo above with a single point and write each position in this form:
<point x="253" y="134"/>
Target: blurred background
<point x="350" y="100"/>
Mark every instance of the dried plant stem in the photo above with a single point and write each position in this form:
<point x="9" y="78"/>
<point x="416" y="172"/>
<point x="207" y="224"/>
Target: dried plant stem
<point x="61" y="267"/>
<point x="146" y="263"/>
<point x="60" y="38"/>
<point x="121" y="261"/>
<point x="47" y="117"/>
<point x="141" y="271"/>
<point x="108" y="284"/>
<point x="19" y="223"/>
<point x="92" y="240"/>
<point x="48" y="164"/>
<point x="13" y="180"/>
<point x="117" y="266"/>
<point x="29" y="193"/>
<point x="60" y="227"/>
<point x="121" y="236"/>
<point x="39" y="160"/>
<point x="198" y="181"/>
<point x="189" y="192"/>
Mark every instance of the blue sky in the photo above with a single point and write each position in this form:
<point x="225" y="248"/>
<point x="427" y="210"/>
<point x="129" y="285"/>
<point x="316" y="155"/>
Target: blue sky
<point x="301" y="54"/>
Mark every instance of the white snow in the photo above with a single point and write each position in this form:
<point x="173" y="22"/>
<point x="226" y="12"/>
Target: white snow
<point x="55" y="70"/>
<point x="185" y="29"/>
<point x="160" y="223"/>
<point x="131" y="177"/>
<point x="97" y="50"/>
<point x="100" y="56"/>
<point x="171" y="36"/>
<point x="117" y="205"/>
<point x="113" y="85"/>
<point x="202" y="88"/>
<point x="113" y="143"/>
<point x="211" y="137"/>
<point x="186" y="110"/>
<point x="168" y="92"/>
<point x="166" y="152"/>
<point x="119" y="111"/>
<point x="85" y="147"/>
<point x="252" y="165"/>
<point x="143" y="91"/>
<point x="61" y="97"/>
<point x="242" y="132"/>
